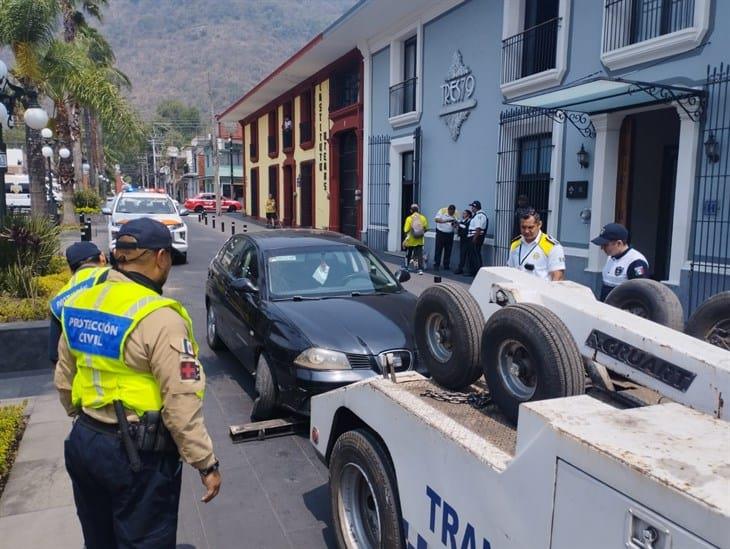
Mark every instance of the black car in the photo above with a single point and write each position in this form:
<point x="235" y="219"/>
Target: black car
<point x="307" y="311"/>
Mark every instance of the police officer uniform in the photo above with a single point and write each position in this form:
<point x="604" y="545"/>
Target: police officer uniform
<point x="83" y="259"/>
<point x="625" y="265"/>
<point x="542" y="256"/>
<point x="129" y="356"/>
<point x="479" y="221"/>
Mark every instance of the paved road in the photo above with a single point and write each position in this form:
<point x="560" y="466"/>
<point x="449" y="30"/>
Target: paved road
<point x="275" y="492"/>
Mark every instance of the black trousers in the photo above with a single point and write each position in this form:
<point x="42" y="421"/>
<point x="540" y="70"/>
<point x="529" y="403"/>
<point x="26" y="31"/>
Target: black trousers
<point x="415" y="253"/>
<point x="118" y="508"/>
<point x="444" y="243"/>
<point x="464" y="245"/>
<point x="474" y="255"/>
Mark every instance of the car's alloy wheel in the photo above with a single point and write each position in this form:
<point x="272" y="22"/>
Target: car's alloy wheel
<point x="211" y="330"/>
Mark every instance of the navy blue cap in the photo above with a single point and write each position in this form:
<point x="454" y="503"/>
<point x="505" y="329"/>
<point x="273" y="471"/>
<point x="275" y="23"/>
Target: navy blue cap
<point x="611" y="232"/>
<point x="78" y="252"/>
<point x="147" y="233"/>
<point x="476" y="204"/>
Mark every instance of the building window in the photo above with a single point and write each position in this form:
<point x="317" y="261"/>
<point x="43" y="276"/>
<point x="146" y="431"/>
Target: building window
<point x="403" y="94"/>
<point x="273" y="142"/>
<point x="305" y="115"/>
<point x="287" y="127"/>
<point x="253" y="146"/>
<point x="345" y="87"/>
<point x="274" y="182"/>
<point x="533" y="175"/>
<point x="640" y="31"/>
<point x="533" y="50"/>
<point x="534" y="45"/>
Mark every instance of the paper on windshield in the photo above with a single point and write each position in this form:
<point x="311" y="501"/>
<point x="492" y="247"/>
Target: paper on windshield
<point x="321" y="274"/>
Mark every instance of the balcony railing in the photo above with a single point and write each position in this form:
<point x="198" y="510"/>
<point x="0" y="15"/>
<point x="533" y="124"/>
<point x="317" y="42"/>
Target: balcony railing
<point x="272" y="144"/>
<point x="530" y="52"/>
<point x="627" y="22"/>
<point x="403" y="97"/>
<point x="305" y="132"/>
<point x="253" y="150"/>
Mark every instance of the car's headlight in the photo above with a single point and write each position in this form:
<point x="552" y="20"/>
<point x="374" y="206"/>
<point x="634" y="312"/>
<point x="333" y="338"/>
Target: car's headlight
<point x="322" y="359"/>
<point x="176" y="226"/>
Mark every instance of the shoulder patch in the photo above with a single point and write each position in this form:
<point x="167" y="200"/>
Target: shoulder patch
<point x="551" y="240"/>
<point x="189" y="370"/>
<point x="515" y="243"/>
<point x="547" y="244"/>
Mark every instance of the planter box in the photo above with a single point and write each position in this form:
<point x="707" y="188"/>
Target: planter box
<point x="24" y="346"/>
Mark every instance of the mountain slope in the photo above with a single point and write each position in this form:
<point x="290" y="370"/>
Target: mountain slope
<point x="169" y="47"/>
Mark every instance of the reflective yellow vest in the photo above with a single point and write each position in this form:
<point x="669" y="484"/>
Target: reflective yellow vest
<point x="81" y="279"/>
<point x="96" y="324"/>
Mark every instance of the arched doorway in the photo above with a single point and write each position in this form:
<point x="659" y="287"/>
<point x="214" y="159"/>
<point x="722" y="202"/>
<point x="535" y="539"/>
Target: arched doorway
<point x="348" y="183"/>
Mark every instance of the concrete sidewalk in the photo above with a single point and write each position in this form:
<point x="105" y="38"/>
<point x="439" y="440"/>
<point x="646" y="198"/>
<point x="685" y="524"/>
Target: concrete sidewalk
<point x="37" y="508"/>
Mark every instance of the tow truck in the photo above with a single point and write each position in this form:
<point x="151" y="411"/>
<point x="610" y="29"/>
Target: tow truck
<point x="595" y="429"/>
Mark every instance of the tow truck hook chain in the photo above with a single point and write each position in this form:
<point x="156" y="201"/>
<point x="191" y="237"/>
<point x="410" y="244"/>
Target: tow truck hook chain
<point x="478" y="399"/>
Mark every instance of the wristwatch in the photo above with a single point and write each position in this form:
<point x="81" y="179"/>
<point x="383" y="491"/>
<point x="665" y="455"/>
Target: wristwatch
<point x="208" y="470"/>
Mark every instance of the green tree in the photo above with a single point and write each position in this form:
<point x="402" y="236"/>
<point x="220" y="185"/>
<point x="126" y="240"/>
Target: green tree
<point x="174" y="115"/>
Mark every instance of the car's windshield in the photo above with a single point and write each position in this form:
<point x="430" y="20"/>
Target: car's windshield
<point x="145" y="206"/>
<point x="325" y="272"/>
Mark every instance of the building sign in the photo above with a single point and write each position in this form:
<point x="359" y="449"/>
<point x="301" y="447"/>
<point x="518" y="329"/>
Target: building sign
<point x="457" y="95"/>
<point x="322" y="118"/>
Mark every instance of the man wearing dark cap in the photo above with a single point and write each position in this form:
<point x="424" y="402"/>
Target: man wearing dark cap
<point x="88" y="266"/>
<point x="476" y="234"/>
<point x="624" y="262"/>
<point x="128" y="370"/>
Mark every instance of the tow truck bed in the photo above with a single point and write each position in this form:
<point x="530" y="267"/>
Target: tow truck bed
<point x="577" y="472"/>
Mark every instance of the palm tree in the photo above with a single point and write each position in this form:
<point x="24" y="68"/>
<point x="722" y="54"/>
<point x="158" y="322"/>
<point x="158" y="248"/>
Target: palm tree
<point x="63" y="72"/>
<point x="28" y="28"/>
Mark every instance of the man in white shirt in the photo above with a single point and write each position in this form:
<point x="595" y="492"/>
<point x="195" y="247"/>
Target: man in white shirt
<point x="477" y="233"/>
<point x="624" y="262"/>
<point x="536" y="252"/>
<point x="445" y="223"/>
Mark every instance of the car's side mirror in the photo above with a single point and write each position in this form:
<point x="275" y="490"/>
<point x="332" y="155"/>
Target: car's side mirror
<point x="402" y="275"/>
<point x="244" y="285"/>
<point x="184" y="212"/>
<point x="106" y="211"/>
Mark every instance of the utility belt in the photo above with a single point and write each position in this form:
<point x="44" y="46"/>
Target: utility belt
<point x="148" y="435"/>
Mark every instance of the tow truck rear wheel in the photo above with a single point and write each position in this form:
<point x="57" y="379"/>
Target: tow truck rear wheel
<point x="448" y="324"/>
<point x="649" y="299"/>
<point x="711" y="321"/>
<point x="529" y="354"/>
<point x="363" y="493"/>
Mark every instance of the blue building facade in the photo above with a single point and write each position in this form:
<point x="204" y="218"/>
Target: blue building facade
<point x="594" y="111"/>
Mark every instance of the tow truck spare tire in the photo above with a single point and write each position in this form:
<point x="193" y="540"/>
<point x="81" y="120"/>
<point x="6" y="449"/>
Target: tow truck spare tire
<point x="649" y="299"/>
<point x="363" y="493"/>
<point x="448" y="324"/>
<point x="711" y="321"/>
<point x="529" y="354"/>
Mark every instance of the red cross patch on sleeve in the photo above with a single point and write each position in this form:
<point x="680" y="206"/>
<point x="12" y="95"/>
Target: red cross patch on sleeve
<point x="189" y="370"/>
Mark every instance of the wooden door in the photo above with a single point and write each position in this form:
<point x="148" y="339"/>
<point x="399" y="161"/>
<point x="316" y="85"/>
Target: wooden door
<point x="623" y="178"/>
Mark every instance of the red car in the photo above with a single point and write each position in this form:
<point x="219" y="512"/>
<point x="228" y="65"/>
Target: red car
<point x="206" y="201"/>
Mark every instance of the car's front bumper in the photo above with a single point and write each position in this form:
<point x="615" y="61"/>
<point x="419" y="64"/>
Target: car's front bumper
<point x="320" y="381"/>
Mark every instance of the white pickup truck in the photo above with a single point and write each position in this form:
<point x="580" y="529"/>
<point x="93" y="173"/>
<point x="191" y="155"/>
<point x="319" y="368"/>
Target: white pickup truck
<point x="412" y="465"/>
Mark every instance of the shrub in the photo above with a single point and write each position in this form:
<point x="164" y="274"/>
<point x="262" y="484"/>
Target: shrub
<point x="31" y="241"/>
<point x="18" y="281"/>
<point x="87" y="211"/>
<point x="50" y="285"/>
<point x="11" y="423"/>
<point x="58" y="264"/>
<point x="20" y="310"/>
<point x="86" y="199"/>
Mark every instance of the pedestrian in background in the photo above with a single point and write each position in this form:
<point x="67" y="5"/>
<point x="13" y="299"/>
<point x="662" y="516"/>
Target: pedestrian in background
<point x="536" y="252"/>
<point x="88" y="266"/>
<point x="522" y="207"/>
<point x="445" y="227"/>
<point x="415" y="228"/>
<point x="623" y="262"/>
<point x="464" y="242"/>
<point x="128" y="372"/>
<point x="271" y="211"/>
<point x="477" y="233"/>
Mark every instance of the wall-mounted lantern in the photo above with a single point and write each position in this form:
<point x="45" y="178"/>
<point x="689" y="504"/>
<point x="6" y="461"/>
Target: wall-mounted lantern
<point x="583" y="157"/>
<point x="712" y="149"/>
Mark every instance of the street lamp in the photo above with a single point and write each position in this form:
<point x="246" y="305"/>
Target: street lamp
<point x="35" y="118"/>
<point x="230" y="162"/>
<point x="47" y="152"/>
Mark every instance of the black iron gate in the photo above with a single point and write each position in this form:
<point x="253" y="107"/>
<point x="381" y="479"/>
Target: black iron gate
<point x="378" y="191"/>
<point x="523" y="170"/>
<point x="710" y="246"/>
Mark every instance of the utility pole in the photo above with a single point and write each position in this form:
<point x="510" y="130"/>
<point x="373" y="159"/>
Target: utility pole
<point x="154" y="159"/>
<point x="216" y="152"/>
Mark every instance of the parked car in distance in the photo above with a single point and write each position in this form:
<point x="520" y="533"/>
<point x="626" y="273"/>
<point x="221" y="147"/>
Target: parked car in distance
<point x="133" y="205"/>
<point x="307" y="311"/>
<point x="206" y="202"/>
